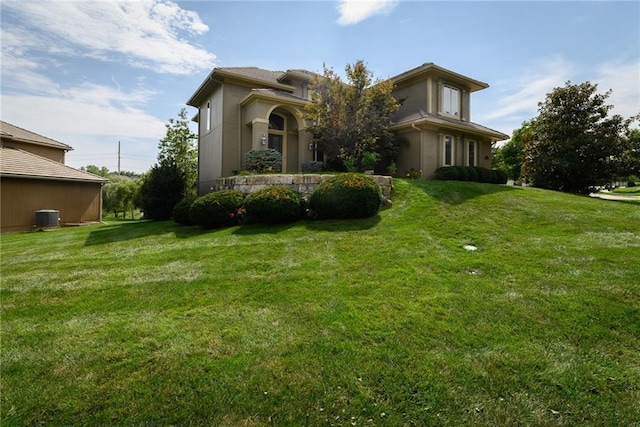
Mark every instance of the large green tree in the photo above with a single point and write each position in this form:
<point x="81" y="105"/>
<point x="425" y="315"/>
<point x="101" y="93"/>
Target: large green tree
<point x="510" y="156"/>
<point x="575" y="143"/>
<point x="174" y="176"/>
<point x="179" y="147"/>
<point x="121" y="194"/>
<point x="352" y="118"/>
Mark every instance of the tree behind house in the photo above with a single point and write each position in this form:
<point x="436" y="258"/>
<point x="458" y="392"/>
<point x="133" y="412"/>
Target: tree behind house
<point x="349" y="119"/>
<point x="174" y="176"/>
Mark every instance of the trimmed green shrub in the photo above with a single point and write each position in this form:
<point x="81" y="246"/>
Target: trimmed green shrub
<point x="631" y="184"/>
<point x="217" y="209"/>
<point x="263" y="161"/>
<point x="462" y="173"/>
<point x="348" y="195"/>
<point x="277" y="204"/>
<point x="181" y="211"/>
<point x="472" y="174"/>
<point x="447" y="173"/>
<point x="484" y="174"/>
<point x="501" y="176"/>
<point x="312" y="166"/>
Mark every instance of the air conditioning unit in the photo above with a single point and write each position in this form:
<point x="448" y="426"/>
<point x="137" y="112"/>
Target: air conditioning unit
<point x="47" y="218"/>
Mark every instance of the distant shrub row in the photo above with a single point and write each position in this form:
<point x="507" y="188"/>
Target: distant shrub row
<point x="471" y="173"/>
<point x="343" y="196"/>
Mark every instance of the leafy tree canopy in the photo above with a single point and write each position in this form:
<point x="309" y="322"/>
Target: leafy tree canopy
<point x="178" y="147"/>
<point x="575" y="144"/>
<point x="509" y="157"/>
<point x="350" y="119"/>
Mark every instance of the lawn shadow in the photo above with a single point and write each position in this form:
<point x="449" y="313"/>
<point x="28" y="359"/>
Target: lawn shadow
<point x="253" y="229"/>
<point x="123" y="231"/>
<point x="338" y="225"/>
<point x="452" y="193"/>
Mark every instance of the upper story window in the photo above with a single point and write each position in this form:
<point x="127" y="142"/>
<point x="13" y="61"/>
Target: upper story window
<point x="451" y="101"/>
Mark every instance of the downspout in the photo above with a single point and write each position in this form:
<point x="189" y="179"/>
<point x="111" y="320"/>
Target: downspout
<point x="413" y="125"/>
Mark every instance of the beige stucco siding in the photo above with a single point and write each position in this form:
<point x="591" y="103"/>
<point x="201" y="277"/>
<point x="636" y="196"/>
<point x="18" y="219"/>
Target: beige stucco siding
<point x="210" y="142"/>
<point x="20" y="197"/>
<point x="233" y="128"/>
<point x="413" y="97"/>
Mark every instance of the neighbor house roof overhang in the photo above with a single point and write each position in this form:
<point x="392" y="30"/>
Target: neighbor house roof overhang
<point x="429" y="67"/>
<point x="420" y="118"/>
<point x="15" y="163"/>
<point x="15" y="133"/>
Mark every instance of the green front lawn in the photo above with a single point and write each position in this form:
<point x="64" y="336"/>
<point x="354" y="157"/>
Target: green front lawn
<point x="629" y="191"/>
<point x="381" y="321"/>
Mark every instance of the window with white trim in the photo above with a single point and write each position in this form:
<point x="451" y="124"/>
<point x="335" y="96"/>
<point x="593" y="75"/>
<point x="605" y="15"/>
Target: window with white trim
<point x="447" y="151"/>
<point x="471" y="153"/>
<point x="450" y="100"/>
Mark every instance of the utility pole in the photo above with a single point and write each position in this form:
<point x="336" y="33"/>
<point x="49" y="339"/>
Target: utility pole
<point x="118" y="157"/>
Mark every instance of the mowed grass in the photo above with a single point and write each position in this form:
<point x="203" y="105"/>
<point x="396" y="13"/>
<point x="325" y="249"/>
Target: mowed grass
<point x="382" y="321"/>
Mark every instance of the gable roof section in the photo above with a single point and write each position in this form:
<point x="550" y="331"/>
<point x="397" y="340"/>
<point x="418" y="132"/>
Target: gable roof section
<point x="472" y="84"/>
<point x="258" y="77"/>
<point x="16" y="163"/>
<point x="274" y="95"/>
<point x="13" y="132"/>
<point x="421" y="117"/>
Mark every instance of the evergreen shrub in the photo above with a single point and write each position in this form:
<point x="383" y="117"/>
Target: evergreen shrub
<point x="217" y="209"/>
<point x="348" y="195"/>
<point x="501" y="176"/>
<point x="263" y="161"/>
<point x="312" y="166"/>
<point x="181" y="211"/>
<point x="277" y="204"/>
<point x="447" y="173"/>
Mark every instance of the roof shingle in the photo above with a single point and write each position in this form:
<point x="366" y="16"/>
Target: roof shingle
<point x="16" y="163"/>
<point x="7" y="130"/>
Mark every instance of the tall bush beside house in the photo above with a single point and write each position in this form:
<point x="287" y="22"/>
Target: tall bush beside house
<point x="344" y="196"/>
<point x="217" y="209"/>
<point x="162" y="188"/>
<point x="272" y="205"/>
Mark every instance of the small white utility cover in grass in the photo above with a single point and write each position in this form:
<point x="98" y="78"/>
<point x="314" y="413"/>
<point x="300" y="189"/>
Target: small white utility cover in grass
<point x="470" y="247"/>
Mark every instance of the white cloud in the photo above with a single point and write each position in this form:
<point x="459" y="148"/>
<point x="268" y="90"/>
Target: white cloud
<point x="624" y="80"/>
<point x="354" y="11"/>
<point x="91" y="118"/>
<point x="149" y="33"/>
<point x="521" y="95"/>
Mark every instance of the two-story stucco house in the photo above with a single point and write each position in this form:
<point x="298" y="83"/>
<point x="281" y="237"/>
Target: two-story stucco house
<point x="245" y="108"/>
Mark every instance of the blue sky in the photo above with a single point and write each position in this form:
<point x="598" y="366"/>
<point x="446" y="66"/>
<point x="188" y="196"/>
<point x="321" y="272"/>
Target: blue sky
<point x="91" y="74"/>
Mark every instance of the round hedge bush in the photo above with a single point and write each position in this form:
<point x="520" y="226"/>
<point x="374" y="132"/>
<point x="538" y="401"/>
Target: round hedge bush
<point x="217" y="209"/>
<point x="448" y="173"/>
<point x="348" y="195"/>
<point x="181" y="211"/>
<point x="272" y="205"/>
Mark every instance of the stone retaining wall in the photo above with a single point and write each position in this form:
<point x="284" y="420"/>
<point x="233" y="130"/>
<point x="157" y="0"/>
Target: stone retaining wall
<point x="303" y="183"/>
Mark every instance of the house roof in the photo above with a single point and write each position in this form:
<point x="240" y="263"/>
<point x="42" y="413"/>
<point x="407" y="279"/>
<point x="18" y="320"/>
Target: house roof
<point x="15" y="163"/>
<point x="472" y="84"/>
<point x="418" y="117"/>
<point x="274" y="94"/>
<point x="9" y="131"/>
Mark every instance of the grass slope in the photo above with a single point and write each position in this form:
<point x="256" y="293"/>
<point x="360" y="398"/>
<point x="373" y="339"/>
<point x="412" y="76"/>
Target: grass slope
<point x="382" y="321"/>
